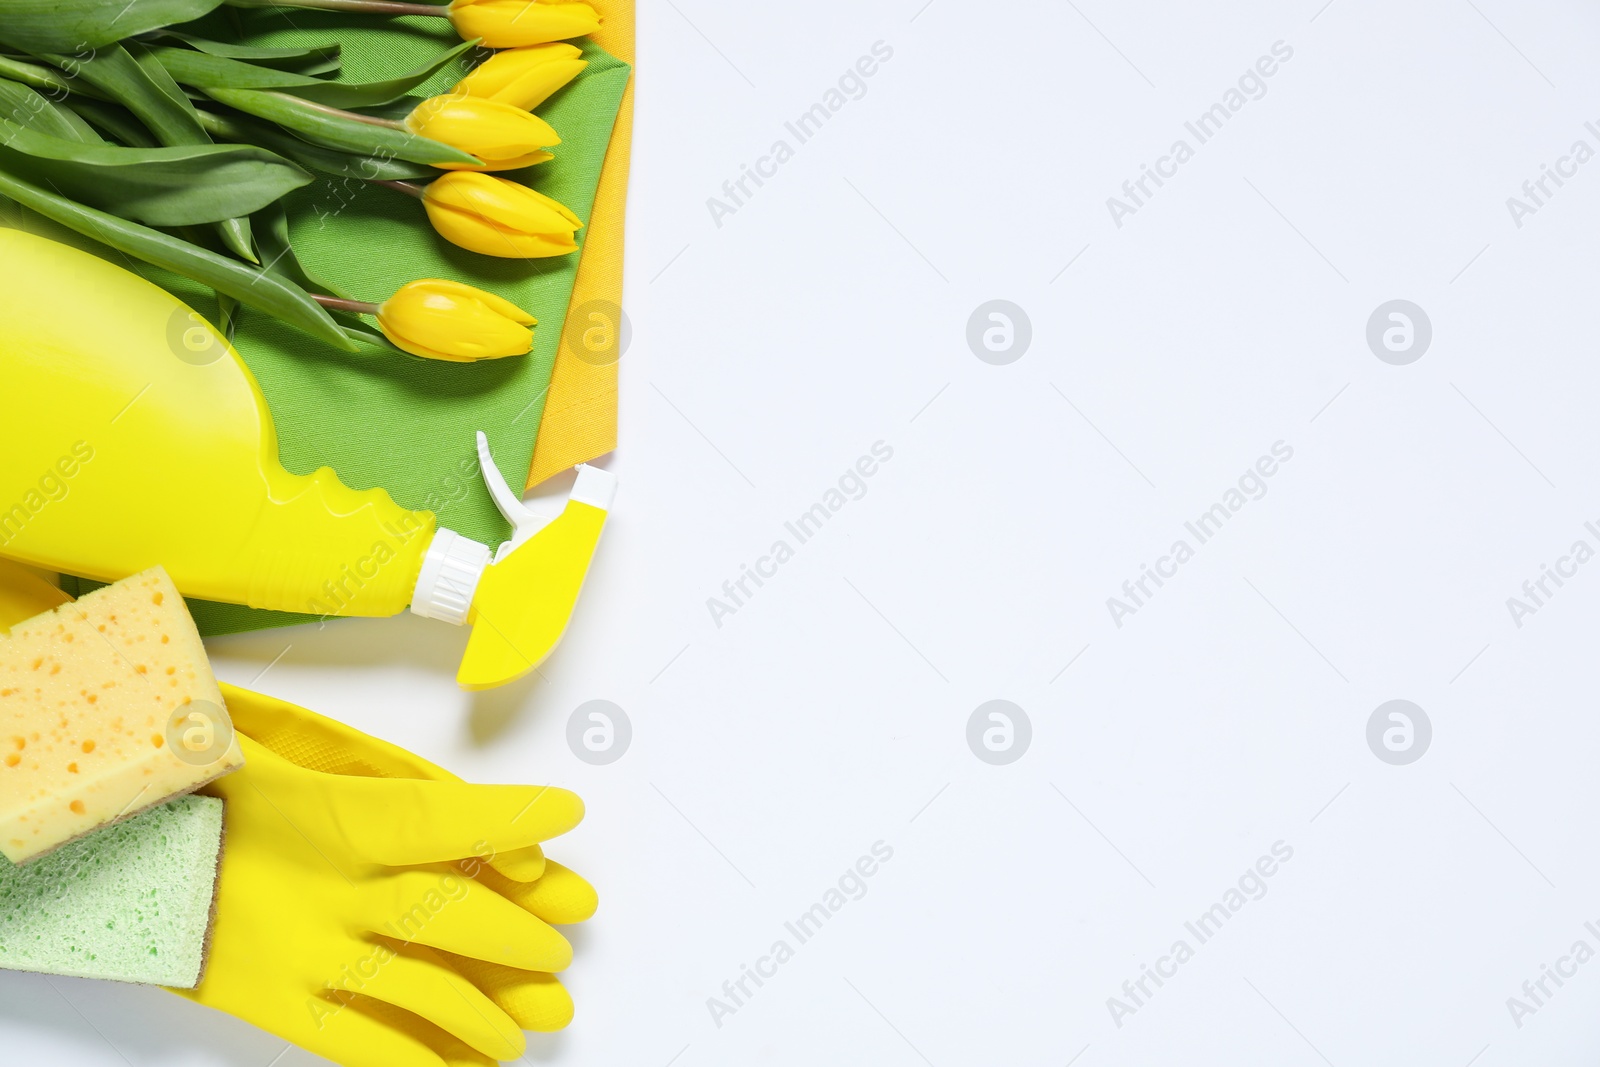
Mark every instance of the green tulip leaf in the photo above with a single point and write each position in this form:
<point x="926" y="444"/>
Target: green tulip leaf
<point x="329" y="161"/>
<point x="371" y="94"/>
<point x="227" y="315"/>
<point x="117" y="74"/>
<point x="113" y="121"/>
<point x="236" y="235"/>
<point x="179" y="186"/>
<point x="158" y="76"/>
<point x="334" y="129"/>
<point x="80" y="25"/>
<point x="316" y="59"/>
<point x="144" y="87"/>
<point x="206" y="71"/>
<point x="27" y="108"/>
<point x="47" y="80"/>
<point x="272" y="238"/>
<point x="251" y="286"/>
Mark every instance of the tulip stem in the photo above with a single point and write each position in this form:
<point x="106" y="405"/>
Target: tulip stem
<point x="409" y="188"/>
<point x="371" y="7"/>
<point x="358" y="307"/>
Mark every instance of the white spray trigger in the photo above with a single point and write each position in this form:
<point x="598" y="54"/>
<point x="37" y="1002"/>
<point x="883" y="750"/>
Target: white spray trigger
<point x="524" y="521"/>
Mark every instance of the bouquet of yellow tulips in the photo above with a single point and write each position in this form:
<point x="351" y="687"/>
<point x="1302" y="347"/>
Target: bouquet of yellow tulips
<point x="120" y="121"/>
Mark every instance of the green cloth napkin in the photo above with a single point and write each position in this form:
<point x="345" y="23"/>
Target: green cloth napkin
<point x="381" y="418"/>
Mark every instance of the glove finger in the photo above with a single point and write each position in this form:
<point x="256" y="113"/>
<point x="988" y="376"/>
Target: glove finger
<point x="421" y="983"/>
<point x="520" y="865"/>
<point x="536" y="1000"/>
<point x="443" y="910"/>
<point x="403" y="822"/>
<point x="560" y="897"/>
<point x="457" y="1054"/>
<point x="352" y="1035"/>
<point x="416" y="822"/>
<point x="446" y="1048"/>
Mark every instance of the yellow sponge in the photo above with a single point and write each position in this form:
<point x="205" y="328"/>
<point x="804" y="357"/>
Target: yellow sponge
<point x="107" y="707"/>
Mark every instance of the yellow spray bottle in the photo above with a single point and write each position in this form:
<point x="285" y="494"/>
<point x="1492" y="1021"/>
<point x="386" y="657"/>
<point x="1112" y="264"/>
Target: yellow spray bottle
<point x="131" y="434"/>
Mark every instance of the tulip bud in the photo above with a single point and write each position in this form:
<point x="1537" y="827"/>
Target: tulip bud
<point x="524" y="77"/>
<point x="502" y="136"/>
<point x="514" y="23"/>
<point x="448" y="320"/>
<point x="498" y="217"/>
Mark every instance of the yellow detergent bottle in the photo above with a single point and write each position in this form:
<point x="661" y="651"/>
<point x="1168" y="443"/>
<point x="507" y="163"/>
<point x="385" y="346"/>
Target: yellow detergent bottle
<point x="131" y="434"/>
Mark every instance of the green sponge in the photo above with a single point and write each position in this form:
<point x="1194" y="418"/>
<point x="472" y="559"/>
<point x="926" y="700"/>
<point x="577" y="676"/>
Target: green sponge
<point x="131" y="901"/>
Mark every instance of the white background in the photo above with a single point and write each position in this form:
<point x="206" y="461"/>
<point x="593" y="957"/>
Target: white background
<point x="829" y="312"/>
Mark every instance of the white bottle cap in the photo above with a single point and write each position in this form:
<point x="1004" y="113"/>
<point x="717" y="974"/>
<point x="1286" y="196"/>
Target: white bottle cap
<point x="449" y="577"/>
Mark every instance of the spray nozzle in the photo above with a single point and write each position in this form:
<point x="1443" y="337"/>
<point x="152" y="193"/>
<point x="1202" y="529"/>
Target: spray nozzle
<point x="525" y="522"/>
<point x="518" y="603"/>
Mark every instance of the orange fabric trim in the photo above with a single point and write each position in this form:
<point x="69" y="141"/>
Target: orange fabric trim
<point x="580" y="414"/>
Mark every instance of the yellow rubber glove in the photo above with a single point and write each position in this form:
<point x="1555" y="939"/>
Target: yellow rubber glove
<point x="531" y="997"/>
<point x="373" y="908"/>
<point x="340" y="890"/>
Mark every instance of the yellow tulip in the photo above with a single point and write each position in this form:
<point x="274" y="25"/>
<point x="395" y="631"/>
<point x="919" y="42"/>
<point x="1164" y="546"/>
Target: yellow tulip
<point x="448" y="320"/>
<point x="502" y="136"/>
<point x="514" y="23"/>
<point x="524" y="77"/>
<point x="497" y="217"/>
